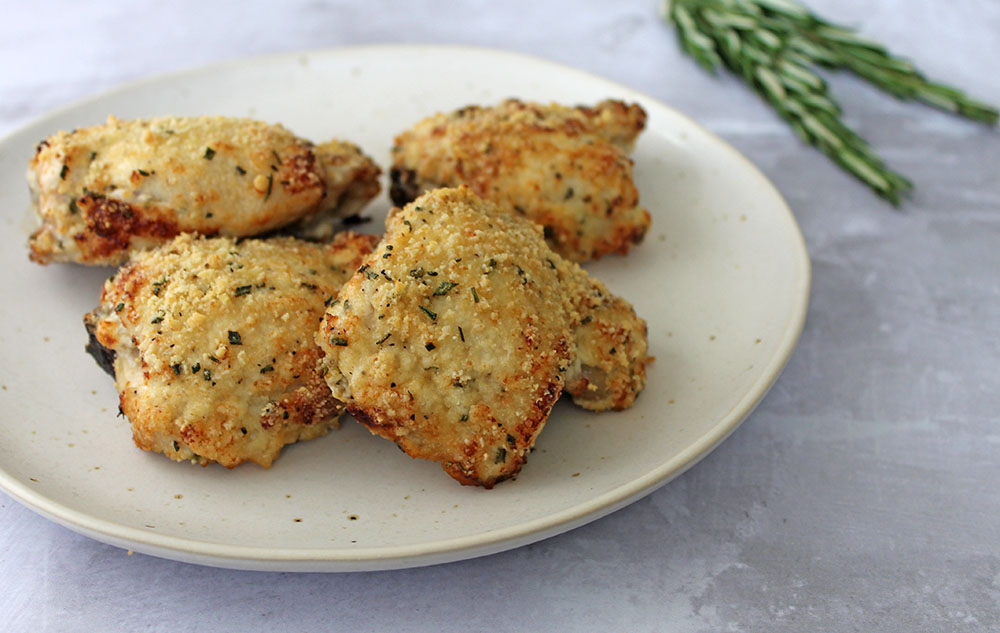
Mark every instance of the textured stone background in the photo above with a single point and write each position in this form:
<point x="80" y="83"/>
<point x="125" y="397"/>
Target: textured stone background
<point x="860" y="496"/>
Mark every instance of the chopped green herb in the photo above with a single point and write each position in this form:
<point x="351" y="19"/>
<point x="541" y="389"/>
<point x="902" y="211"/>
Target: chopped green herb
<point x="270" y="183"/>
<point x="93" y="155"/>
<point x="213" y="358"/>
<point x="371" y="274"/>
<point x="72" y="206"/>
<point x="177" y="369"/>
<point x="243" y="290"/>
<point x="383" y="339"/>
<point x="209" y="153"/>
<point x="407" y="223"/>
<point x="119" y="307"/>
<point x="461" y="334"/>
<point x="176" y="447"/>
<point x="388" y="247"/>
<point x="417" y="273"/>
<point x="339" y="342"/>
<point x="432" y="315"/>
<point x="475" y="295"/>
<point x="264" y="370"/>
<point x="63" y="172"/>
<point x="157" y="319"/>
<point x="276" y="157"/>
<point x="511" y="441"/>
<point x="235" y="338"/>
<point x="430" y="347"/>
<point x="465" y="417"/>
<point x="552" y="264"/>
<point x="501" y="456"/>
<point x="444" y="288"/>
<point x="142" y="172"/>
<point x="241" y="171"/>
<point x="196" y="368"/>
<point x="207" y="374"/>
<point x="309" y="285"/>
<point x="587" y="319"/>
<point x="569" y="194"/>
<point x="330" y="301"/>
<point x="386" y="255"/>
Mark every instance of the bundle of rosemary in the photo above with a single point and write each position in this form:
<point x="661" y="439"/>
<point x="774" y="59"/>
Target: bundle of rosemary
<point x="775" y="45"/>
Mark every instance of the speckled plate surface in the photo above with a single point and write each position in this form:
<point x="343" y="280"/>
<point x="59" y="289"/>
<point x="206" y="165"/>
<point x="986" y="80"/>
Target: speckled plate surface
<point x="722" y="279"/>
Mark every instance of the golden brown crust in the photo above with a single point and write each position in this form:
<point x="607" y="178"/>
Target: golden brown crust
<point x="112" y="226"/>
<point x="455" y="337"/>
<point x="609" y="369"/>
<point x="565" y="168"/>
<point x="105" y="190"/>
<point x="213" y="343"/>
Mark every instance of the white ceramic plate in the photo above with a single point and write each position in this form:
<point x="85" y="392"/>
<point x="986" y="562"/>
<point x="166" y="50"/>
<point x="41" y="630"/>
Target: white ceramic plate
<point x="722" y="279"/>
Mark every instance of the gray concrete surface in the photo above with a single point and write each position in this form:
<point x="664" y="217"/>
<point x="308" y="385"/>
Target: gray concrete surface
<point x="862" y="495"/>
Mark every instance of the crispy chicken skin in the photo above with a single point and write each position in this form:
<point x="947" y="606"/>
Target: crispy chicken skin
<point x="567" y="169"/>
<point x="460" y="331"/>
<point x="106" y="190"/>
<point x="211" y="342"/>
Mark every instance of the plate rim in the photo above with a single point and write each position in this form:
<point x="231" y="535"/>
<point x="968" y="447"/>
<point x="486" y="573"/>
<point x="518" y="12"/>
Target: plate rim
<point x="458" y="548"/>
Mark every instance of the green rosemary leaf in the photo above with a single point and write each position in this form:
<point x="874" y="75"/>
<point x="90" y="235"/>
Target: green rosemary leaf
<point x="777" y="45"/>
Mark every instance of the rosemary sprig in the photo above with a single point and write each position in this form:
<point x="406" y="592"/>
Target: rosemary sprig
<point x="775" y="46"/>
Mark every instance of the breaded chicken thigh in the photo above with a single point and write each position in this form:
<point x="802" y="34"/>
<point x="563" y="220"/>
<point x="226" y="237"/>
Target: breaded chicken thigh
<point x="106" y="190"/>
<point x="212" y="343"/>
<point x="567" y="169"/>
<point x="460" y="331"/>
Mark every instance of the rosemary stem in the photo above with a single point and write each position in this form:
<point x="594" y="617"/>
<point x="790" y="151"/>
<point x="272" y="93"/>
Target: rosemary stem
<point x="776" y="45"/>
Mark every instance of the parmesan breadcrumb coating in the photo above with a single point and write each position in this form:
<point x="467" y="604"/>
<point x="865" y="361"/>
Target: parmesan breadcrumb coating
<point x="211" y="342"/>
<point x="460" y="331"/>
<point x="567" y="169"/>
<point x="106" y="190"/>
